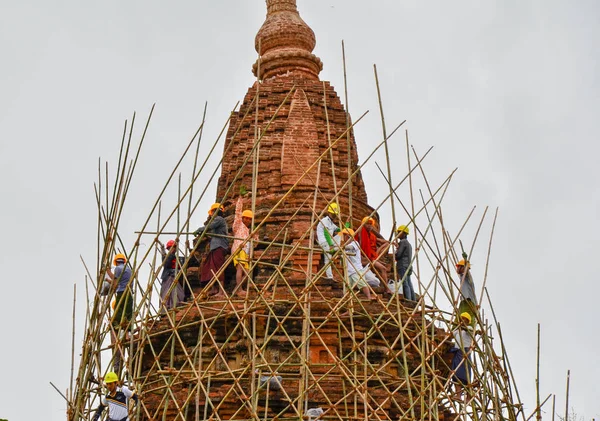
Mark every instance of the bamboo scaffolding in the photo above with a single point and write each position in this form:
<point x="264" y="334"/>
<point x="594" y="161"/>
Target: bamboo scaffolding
<point x="388" y="357"/>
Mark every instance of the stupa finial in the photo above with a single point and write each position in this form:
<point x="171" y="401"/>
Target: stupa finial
<point x="285" y="43"/>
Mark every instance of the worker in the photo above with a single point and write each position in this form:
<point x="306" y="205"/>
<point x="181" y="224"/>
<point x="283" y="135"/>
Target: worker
<point x="240" y="249"/>
<point x="216" y="228"/>
<point x="123" y="310"/>
<point x="467" y="298"/>
<point x="171" y="290"/>
<point x="403" y="258"/>
<point x="117" y="400"/>
<point x="355" y="270"/>
<point x="121" y="277"/>
<point x="371" y="241"/>
<point x="326" y="230"/>
<point x="463" y="340"/>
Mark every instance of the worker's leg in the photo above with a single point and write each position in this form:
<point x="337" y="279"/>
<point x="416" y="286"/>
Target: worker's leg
<point x="408" y="290"/>
<point x="381" y="270"/>
<point x="327" y="262"/>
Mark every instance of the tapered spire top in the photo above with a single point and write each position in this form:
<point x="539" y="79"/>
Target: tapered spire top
<point x="285" y="43"/>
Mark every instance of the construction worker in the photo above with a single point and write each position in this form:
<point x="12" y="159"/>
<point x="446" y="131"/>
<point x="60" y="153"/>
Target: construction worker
<point x="117" y="400"/>
<point x="356" y="271"/>
<point x="463" y="339"/>
<point x="121" y="278"/>
<point x="123" y="306"/>
<point x="171" y="293"/>
<point x="240" y="249"/>
<point x="219" y="247"/>
<point x="371" y="242"/>
<point x="326" y="230"/>
<point x="467" y="298"/>
<point x="403" y="258"/>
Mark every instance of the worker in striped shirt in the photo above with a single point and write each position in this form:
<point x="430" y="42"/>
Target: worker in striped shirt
<point x="117" y="400"/>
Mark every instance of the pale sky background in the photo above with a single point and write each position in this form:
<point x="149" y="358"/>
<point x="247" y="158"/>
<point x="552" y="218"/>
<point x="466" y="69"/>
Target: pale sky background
<point x="507" y="91"/>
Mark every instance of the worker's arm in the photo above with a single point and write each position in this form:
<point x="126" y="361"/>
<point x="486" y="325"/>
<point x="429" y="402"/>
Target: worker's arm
<point x="129" y="394"/>
<point x="237" y="219"/>
<point x="98" y="412"/>
<point x="400" y="250"/>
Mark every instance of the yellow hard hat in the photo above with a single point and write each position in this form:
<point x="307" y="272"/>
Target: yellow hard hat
<point x="348" y="231"/>
<point x="113" y="303"/>
<point x="368" y="220"/>
<point x="463" y="262"/>
<point x="404" y="229"/>
<point x="465" y="315"/>
<point x="111" y="377"/>
<point x="247" y="214"/>
<point x="119" y="256"/>
<point x="215" y="206"/>
<point x="333" y="208"/>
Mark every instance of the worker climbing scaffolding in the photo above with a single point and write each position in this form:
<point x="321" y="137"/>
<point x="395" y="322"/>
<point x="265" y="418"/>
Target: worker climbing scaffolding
<point x="123" y="310"/>
<point x="116" y="400"/>
<point x="467" y="298"/>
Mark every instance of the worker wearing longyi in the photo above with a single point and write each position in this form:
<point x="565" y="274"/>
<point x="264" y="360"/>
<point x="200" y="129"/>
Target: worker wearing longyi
<point x="219" y="247"/>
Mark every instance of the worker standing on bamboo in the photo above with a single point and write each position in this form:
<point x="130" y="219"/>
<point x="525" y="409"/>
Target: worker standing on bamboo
<point x="215" y="228"/>
<point x="354" y="268"/>
<point x="171" y="290"/>
<point x="468" y="300"/>
<point x="121" y="279"/>
<point x="463" y="344"/>
<point x="371" y="242"/>
<point x="116" y="400"/>
<point x="326" y="230"/>
<point x="403" y="258"/>
<point x="240" y="249"/>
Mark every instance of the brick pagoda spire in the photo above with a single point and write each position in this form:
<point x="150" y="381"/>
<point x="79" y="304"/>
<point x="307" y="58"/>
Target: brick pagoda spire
<point x="299" y="133"/>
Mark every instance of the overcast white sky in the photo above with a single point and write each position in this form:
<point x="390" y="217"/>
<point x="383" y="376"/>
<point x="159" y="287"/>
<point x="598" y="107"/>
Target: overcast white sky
<point x="507" y="91"/>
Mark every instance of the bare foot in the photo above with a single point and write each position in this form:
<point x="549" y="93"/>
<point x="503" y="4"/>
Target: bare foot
<point x="373" y="297"/>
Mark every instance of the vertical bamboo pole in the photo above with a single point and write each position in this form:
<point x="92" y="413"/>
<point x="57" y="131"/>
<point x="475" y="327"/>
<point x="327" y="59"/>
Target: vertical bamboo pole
<point x="348" y="137"/>
<point x="70" y="394"/>
<point x="567" y="396"/>
<point x="387" y="153"/>
<point x="537" y="378"/>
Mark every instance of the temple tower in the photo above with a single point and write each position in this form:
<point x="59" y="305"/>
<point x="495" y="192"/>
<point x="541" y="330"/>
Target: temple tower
<point x="295" y="117"/>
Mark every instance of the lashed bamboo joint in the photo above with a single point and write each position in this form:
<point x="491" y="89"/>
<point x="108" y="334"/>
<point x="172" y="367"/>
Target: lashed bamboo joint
<point x="298" y="342"/>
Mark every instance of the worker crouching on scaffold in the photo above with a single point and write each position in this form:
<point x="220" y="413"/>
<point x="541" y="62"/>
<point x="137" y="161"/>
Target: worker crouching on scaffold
<point x="373" y="245"/>
<point x="356" y="272"/>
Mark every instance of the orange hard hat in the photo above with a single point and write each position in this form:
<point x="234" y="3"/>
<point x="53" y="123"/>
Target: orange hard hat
<point x="247" y="214"/>
<point x="118" y="257"/>
<point x="464" y="263"/>
<point x="215" y="206"/>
